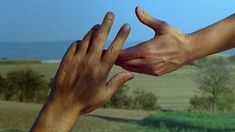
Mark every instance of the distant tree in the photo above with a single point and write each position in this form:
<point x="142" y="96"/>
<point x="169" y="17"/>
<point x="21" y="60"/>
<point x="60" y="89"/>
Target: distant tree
<point x="3" y="85"/>
<point x="43" y="93"/>
<point x="26" y="84"/>
<point x="214" y="78"/>
<point x="138" y="99"/>
<point x="8" y="90"/>
<point x="120" y="99"/>
<point x="50" y="83"/>
<point x="144" y="100"/>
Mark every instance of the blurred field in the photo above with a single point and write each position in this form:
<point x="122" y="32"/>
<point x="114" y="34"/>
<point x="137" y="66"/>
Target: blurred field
<point x="48" y="69"/>
<point x="20" y="116"/>
<point x="185" y="122"/>
<point x="173" y="90"/>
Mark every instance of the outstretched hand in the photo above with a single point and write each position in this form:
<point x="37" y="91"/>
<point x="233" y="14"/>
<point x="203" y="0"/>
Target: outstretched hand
<point x="167" y="51"/>
<point x="84" y="70"/>
<point x="81" y="83"/>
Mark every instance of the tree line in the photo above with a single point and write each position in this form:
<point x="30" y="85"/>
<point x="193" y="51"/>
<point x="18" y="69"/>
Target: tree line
<point x="31" y="87"/>
<point x="214" y="78"/>
<point x="24" y="86"/>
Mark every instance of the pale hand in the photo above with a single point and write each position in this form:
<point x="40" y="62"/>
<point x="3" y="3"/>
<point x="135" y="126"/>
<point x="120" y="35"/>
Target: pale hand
<point x="167" y="51"/>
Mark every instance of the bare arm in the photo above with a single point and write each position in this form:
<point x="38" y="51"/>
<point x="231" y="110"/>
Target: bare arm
<point x="215" y="38"/>
<point x="170" y="49"/>
<point x="81" y="84"/>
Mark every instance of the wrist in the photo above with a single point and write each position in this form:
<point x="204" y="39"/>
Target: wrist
<point x="193" y="51"/>
<point x="56" y="115"/>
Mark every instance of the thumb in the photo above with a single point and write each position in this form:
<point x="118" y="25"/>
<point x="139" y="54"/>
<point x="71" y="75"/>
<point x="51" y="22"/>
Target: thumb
<point x="159" y="26"/>
<point x="117" y="81"/>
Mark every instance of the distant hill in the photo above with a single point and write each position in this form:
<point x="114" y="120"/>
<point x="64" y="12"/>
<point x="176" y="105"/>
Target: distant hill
<point x="46" y="50"/>
<point x="33" y="50"/>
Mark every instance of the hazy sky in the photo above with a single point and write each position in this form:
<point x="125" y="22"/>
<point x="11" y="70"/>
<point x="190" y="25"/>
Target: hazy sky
<point x="43" y="20"/>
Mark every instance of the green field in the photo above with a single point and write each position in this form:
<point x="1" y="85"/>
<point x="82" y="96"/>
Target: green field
<point x="173" y="90"/>
<point x="18" y="117"/>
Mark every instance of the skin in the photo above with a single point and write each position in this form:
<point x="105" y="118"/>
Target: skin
<point x="81" y="84"/>
<point x="170" y="49"/>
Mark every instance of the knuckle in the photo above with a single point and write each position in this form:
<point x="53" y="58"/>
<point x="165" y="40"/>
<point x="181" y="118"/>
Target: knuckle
<point x="119" y="82"/>
<point x="114" y="50"/>
<point x="156" y="73"/>
<point x="90" y="66"/>
<point x="74" y="44"/>
<point x="163" y="23"/>
<point x="101" y="34"/>
<point x="152" y="68"/>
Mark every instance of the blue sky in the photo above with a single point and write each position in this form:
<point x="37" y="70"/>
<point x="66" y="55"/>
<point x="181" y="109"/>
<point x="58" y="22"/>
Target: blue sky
<point x="53" y="20"/>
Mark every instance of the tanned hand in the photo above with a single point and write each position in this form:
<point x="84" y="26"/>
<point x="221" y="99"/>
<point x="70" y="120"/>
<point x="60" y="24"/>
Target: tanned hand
<point x="81" y="84"/>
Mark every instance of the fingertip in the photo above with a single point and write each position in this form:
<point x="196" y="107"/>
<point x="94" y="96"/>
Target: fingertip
<point x="128" y="75"/>
<point x="110" y="15"/>
<point x="126" y="27"/>
<point x="139" y="12"/>
<point x="132" y="76"/>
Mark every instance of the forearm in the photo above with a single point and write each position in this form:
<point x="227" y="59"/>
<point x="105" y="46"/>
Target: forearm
<point x="55" y="117"/>
<point x="213" y="39"/>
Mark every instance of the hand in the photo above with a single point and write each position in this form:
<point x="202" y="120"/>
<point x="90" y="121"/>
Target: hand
<point x="82" y="76"/>
<point x="167" y="51"/>
<point x="81" y="83"/>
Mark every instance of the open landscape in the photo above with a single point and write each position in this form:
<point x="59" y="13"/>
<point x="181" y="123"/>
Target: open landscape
<point x="18" y="117"/>
<point x="150" y="37"/>
<point x="173" y="91"/>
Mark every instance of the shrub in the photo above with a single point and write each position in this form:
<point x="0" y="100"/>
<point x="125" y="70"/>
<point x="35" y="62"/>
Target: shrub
<point x="139" y="99"/>
<point x="3" y="85"/>
<point x="120" y="99"/>
<point x="26" y="85"/>
<point x="144" y="100"/>
<point x="215" y="83"/>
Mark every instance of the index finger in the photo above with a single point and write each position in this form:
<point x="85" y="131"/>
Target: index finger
<point x="129" y="54"/>
<point x="113" y="51"/>
<point x="101" y="35"/>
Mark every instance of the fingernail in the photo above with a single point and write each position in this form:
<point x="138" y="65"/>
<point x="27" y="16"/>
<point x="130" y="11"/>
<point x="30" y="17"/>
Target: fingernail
<point x="110" y="15"/>
<point x="126" y="27"/>
<point x="140" y="10"/>
<point x="131" y="75"/>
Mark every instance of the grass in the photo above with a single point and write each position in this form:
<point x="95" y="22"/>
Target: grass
<point x="48" y="69"/>
<point x="200" y="121"/>
<point x="185" y="121"/>
<point x="173" y="90"/>
<point x="18" y="117"/>
<point x="16" y="62"/>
